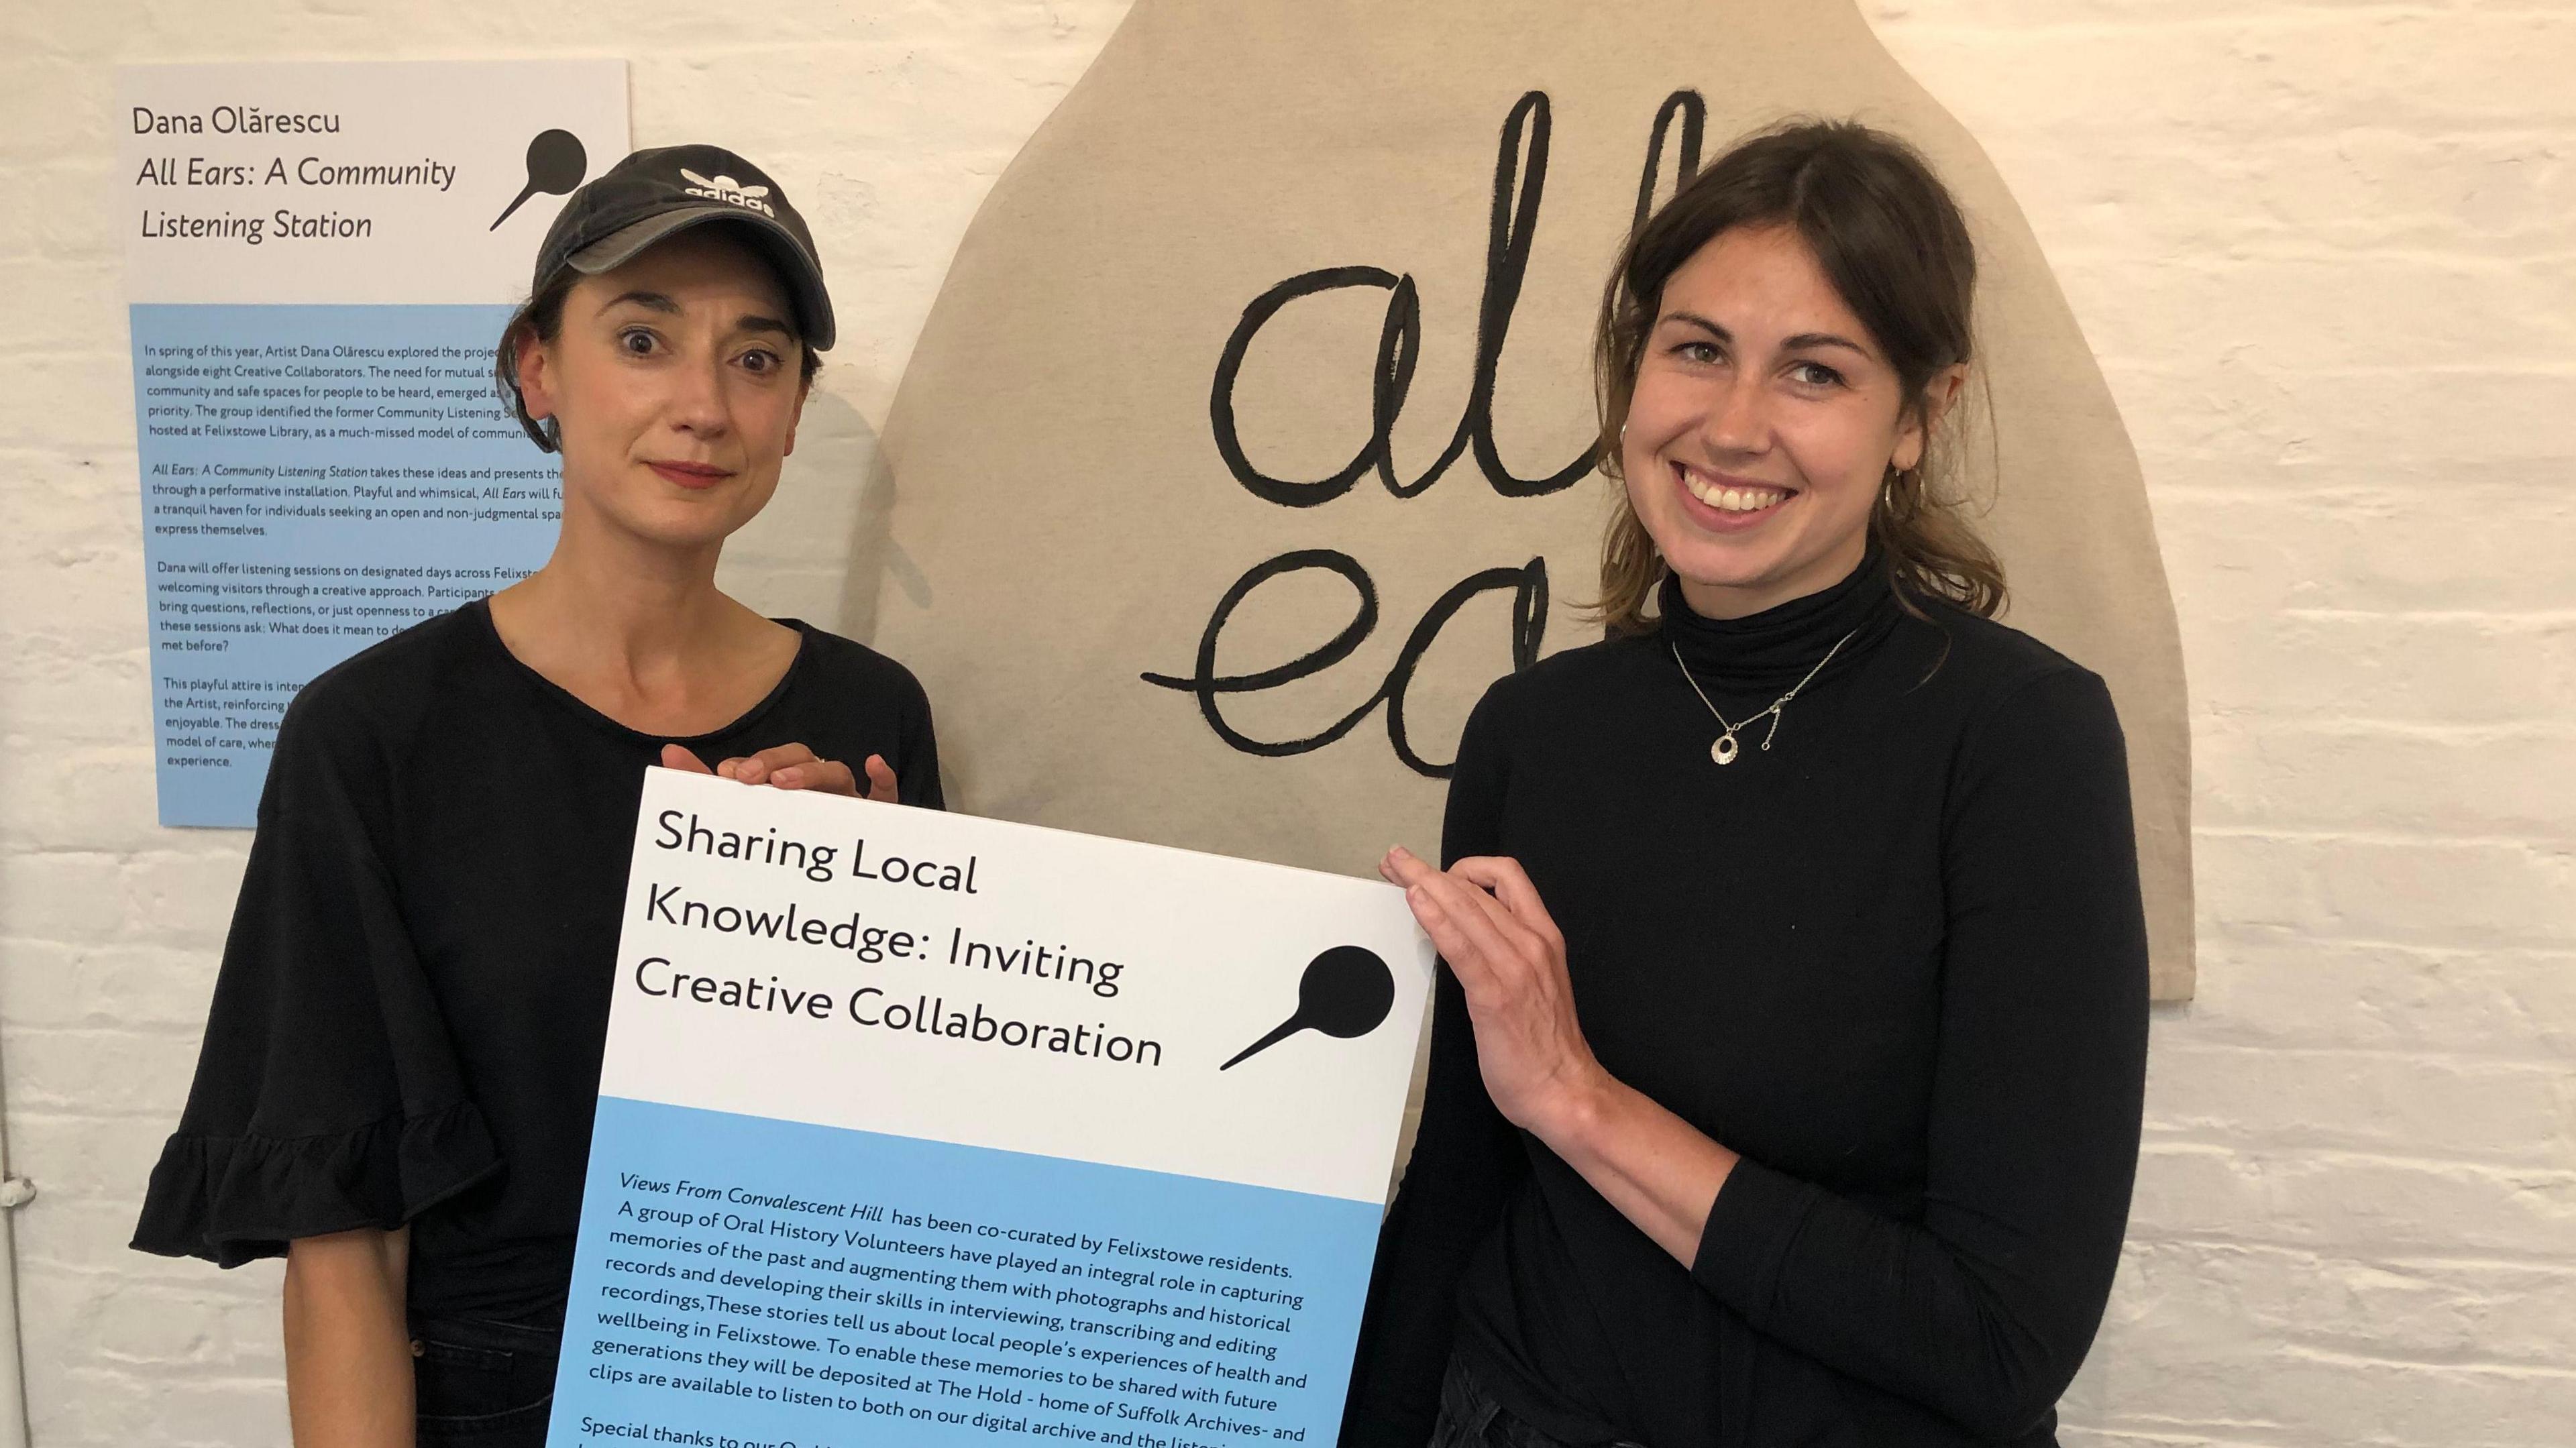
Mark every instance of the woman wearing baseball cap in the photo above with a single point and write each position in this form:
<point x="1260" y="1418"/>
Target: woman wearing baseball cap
<point x="400" y="1066"/>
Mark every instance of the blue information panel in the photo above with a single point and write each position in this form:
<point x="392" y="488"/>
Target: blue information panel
<point x="751" y="1280"/>
<point x="314" y="478"/>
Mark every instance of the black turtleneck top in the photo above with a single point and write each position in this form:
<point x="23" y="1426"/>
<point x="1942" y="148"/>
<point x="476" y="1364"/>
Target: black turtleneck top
<point x="1896" y="960"/>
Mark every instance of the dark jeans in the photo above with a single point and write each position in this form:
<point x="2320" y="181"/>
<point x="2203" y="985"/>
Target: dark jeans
<point x="1470" y="1418"/>
<point x="487" y="1384"/>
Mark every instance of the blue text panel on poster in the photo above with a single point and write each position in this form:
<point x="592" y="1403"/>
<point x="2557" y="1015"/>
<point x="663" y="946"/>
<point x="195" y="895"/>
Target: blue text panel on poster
<point x="314" y="479"/>
<point x="744" y="1281"/>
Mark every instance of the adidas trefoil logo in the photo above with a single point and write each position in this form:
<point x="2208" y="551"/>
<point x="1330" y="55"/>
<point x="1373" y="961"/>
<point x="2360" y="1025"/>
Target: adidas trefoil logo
<point x="725" y="188"/>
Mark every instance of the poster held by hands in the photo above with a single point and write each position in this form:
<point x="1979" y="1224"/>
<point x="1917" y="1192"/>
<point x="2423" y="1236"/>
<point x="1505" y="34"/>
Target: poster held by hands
<point x="920" y="1128"/>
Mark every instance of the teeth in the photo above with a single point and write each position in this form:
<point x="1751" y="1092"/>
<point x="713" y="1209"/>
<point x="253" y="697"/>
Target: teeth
<point x="1731" y="500"/>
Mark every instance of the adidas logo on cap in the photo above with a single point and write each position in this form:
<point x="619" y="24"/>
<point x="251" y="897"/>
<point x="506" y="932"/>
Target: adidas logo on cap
<point x="725" y="188"/>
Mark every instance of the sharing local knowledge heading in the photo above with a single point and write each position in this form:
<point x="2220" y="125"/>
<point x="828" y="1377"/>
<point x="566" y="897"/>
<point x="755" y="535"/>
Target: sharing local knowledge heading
<point x="954" y="960"/>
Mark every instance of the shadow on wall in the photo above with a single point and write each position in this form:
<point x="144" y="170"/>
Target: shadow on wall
<point x="876" y="560"/>
<point x="799" y="558"/>
<point x="822" y="548"/>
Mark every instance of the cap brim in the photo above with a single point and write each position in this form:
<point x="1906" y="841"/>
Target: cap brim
<point x="803" y="275"/>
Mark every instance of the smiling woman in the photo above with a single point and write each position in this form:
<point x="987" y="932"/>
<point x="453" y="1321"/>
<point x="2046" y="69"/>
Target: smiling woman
<point x="402" y="1059"/>
<point x="1854" y="308"/>
<point x="1785" y="1073"/>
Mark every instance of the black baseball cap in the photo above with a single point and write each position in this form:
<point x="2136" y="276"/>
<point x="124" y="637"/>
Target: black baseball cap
<point x="655" y="193"/>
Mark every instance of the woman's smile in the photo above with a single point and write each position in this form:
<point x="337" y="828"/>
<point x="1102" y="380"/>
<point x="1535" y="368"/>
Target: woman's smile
<point x="1724" y="503"/>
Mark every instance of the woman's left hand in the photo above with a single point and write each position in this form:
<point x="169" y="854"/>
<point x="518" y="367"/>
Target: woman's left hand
<point x="793" y="766"/>
<point x="1486" y="918"/>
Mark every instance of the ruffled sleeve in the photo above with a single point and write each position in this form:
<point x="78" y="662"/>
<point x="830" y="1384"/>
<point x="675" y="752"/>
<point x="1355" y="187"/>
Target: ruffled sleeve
<point x="327" y="1095"/>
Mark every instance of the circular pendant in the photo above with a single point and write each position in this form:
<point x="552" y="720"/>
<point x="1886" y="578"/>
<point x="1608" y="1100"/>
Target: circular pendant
<point x="1723" y="751"/>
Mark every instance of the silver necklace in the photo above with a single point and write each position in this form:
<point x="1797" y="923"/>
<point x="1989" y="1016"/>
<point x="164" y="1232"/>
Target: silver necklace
<point x="1724" y="750"/>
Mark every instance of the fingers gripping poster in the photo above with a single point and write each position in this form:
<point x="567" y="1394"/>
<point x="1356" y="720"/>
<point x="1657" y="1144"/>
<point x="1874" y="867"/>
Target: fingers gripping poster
<point x="1249" y="438"/>
<point x="923" y="1129"/>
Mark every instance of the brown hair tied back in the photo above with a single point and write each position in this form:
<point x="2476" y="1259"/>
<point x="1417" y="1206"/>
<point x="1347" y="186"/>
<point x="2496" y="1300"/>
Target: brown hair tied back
<point x="1889" y="239"/>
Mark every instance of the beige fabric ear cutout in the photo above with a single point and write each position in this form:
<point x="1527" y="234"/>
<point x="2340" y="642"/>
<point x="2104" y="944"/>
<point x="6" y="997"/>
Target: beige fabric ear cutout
<point x="1058" y="517"/>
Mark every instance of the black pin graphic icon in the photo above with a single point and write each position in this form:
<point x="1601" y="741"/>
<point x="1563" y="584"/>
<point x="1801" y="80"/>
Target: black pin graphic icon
<point x="1346" y="992"/>
<point x="556" y="164"/>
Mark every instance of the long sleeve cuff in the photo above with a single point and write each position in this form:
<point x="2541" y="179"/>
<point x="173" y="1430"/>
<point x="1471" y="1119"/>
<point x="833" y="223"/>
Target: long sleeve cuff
<point x="1757" y="1214"/>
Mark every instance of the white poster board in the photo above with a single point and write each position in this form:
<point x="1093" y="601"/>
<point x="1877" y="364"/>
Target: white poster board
<point x="919" y="1128"/>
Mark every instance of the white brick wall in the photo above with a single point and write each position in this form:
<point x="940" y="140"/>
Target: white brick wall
<point x="2327" y="256"/>
<point x="2327" y="252"/>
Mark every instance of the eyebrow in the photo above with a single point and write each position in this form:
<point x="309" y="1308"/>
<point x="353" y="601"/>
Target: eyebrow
<point x="656" y="301"/>
<point x="1787" y="344"/>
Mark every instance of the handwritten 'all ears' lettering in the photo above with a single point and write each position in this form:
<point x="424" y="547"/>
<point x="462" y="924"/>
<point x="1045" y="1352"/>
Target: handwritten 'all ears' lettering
<point x="1527" y="583"/>
<point x="1520" y="184"/>
<point x="1510" y="233"/>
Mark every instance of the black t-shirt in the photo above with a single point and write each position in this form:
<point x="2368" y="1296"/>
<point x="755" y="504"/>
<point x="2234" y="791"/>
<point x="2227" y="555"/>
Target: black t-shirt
<point x="1897" y="961"/>
<point x="414" y="995"/>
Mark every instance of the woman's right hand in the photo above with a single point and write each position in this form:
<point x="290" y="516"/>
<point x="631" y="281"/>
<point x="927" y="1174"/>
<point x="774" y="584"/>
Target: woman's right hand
<point x="1487" y="921"/>
<point x="793" y="766"/>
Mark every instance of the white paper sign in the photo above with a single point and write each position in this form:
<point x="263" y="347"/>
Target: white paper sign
<point x="921" y="1128"/>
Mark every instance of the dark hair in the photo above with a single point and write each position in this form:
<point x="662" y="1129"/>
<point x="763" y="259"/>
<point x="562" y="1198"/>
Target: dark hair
<point x="541" y="317"/>
<point x="1890" y="240"/>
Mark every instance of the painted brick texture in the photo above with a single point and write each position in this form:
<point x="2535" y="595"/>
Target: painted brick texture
<point x="2327" y="254"/>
